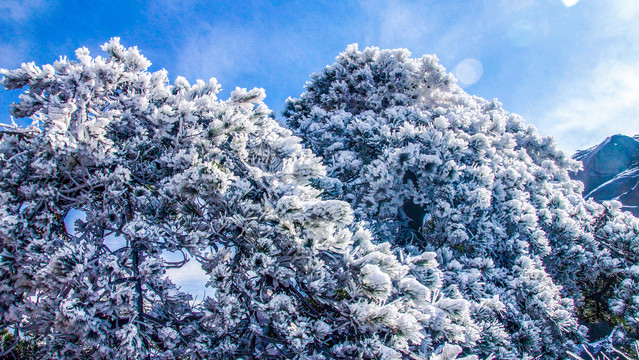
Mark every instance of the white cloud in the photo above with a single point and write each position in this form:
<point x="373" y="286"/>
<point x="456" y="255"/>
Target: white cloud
<point x="190" y="278"/>
<point x="627" y="10"/>
<point x="522" y="32"/>
<point x="599" y="97"/>
<point x="400" y="22"/>
<point x="603" y="102"/>
<point x="11" y="55"/>
<point x="515" y="5"/>
<point x="20" y="10"/>
<point x="222" y="52"/>
<point x="14" y="47"/>
<point x="427" y="27"/>
<point x="616" y="18"/>
<point x="453" y="30"/>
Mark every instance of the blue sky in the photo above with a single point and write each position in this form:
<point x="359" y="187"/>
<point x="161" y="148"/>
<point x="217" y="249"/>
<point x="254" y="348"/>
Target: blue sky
<point x="571" y="68"/>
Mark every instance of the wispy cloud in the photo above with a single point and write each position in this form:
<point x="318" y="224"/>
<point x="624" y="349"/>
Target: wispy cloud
<point x="20" y="10"/>
<point x="220" y="51"/>
<point x="603" y="99"/>
<point x="514" y="6"/>
<point x="253" y="54"/>
<point x="603" y="102"/>
<point x="15" y="15"/>
<point x="11" y="54"/>
<point x="398" y="22"/>
<point x="190" y="278"/>
<point x="420" y="26"/>
<point x="626" y="10"/>
<point x="455" y="30"/>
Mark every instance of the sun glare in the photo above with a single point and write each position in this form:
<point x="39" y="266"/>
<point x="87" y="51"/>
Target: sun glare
<point x="569" y="3"/>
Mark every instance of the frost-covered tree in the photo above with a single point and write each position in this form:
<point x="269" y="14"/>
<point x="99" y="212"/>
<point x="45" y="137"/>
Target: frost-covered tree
<point x="170" y="168"/>
<point x="433" y="168"/>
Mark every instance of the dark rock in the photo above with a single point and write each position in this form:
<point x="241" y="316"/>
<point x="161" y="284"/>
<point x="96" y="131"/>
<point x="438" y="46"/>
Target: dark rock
<point x="611" y="171"/>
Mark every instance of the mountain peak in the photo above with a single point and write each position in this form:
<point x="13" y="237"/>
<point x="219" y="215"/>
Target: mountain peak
<point x="611" y="171"/>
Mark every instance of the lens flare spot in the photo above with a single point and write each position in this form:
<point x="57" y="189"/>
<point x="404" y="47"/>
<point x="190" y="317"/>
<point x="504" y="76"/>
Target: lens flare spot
<point x="469" y="71"/>
<point x="569" y="3"/>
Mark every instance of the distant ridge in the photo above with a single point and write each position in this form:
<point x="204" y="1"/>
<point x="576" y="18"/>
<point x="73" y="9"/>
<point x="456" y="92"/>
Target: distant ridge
<point x="611" y="171"/>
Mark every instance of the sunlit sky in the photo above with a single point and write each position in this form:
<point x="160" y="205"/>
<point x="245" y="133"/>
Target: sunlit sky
<point x="570" y="67"/>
